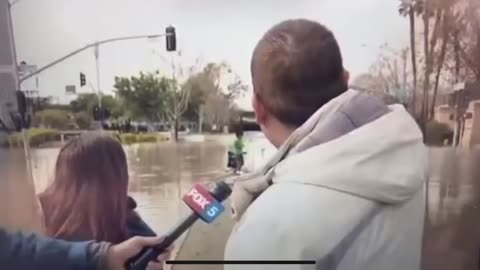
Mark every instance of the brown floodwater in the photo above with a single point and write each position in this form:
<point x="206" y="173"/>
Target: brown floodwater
<point x="161" y="173"/>
<point x="452" y="238"/>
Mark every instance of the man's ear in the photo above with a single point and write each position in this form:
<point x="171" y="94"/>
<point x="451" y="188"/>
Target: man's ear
<point x="346" y="75"/>
<point x="259" y="109"/>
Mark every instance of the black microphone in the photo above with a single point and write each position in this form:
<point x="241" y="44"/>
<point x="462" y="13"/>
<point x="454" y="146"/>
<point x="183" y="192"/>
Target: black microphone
<point x="204" y="204"/>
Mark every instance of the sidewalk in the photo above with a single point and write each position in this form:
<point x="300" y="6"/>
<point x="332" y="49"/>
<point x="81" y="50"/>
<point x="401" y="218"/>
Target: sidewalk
<point x="205" y="242"/>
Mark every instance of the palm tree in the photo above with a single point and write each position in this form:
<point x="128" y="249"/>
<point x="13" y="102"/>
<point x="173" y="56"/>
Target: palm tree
<point x="411" y="8"/>
<point x="406" y="9"/>
<point x="447" y="27"/>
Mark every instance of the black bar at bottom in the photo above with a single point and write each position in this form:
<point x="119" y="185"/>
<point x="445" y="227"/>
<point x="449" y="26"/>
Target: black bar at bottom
<point x="189" y="262"/>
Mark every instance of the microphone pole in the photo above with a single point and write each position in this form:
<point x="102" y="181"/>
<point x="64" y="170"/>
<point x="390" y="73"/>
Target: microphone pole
<point x="220" y="192"/>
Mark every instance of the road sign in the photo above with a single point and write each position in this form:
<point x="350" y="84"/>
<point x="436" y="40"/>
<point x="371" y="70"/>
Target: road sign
<point x="70" y="89"/>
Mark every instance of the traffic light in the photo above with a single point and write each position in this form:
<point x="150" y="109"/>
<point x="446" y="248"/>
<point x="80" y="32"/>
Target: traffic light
<point x="171" y="38"/>
<point x="83" y="79"/>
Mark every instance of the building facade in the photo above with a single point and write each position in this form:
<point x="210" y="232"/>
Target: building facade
<point x="8" y="69"/>
<point x="468" y="100"/>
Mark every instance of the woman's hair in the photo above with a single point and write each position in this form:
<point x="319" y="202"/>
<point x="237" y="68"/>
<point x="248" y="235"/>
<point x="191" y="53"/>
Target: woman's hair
<point x="88" y="197"/>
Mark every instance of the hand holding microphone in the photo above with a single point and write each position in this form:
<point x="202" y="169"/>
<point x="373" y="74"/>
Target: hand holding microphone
<point x="204" y="204"/>
<point x="116" y="255"/>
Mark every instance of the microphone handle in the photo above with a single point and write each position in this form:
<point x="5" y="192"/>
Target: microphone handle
<point x="140" y="262"/>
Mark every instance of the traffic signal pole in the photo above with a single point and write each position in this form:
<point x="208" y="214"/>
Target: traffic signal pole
<point x="171" y="46"/>
<point x="96" y="44"/>
<point x="99" y="92"/>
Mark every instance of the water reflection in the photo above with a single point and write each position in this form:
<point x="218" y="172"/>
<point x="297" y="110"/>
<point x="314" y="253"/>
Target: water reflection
<point x="453" y="228"/>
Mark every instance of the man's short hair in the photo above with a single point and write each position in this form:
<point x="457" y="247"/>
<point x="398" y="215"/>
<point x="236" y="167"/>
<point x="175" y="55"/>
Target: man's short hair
<point x="239" y="132"/>
<point x="297" y="68"/>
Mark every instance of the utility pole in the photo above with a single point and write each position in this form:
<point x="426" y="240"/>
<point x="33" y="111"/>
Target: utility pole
<point x="459" y="105"/>
<point x="175" y="101"/>
<point x="97" y="65"/>
<point x="200" y="118"/>
<point x="455" y="119"/>
<point x="96" y="50"/>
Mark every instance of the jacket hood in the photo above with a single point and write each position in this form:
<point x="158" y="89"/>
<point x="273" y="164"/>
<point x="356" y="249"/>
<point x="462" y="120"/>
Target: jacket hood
<point x="384" y="160"/>
<point x="354" y="144"/>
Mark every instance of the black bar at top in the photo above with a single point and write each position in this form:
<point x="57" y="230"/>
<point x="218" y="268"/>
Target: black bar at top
<point x="191" y="262"/>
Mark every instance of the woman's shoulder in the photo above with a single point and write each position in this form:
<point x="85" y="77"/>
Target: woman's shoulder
<point x="135" y="224"/>
<point x="131" y="203"/>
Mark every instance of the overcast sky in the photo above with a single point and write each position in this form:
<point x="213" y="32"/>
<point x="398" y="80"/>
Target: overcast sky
<point x="212" y="30"/>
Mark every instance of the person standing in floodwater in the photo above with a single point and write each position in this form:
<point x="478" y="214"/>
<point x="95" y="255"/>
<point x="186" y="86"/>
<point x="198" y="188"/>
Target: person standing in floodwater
<point x="88" y="198"/>
<point x="239" y="151"/>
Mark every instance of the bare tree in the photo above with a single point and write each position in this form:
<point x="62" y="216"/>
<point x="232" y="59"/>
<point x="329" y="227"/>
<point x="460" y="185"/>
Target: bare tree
<point x="179" y="96"/>
<point x="438" y="23"/>
<point x="218" y="87"/>
<point x="371" y="82"/>
<point x="446" y="9"/>
<point x="389" y="74"/>
<point x="469" y="43"/>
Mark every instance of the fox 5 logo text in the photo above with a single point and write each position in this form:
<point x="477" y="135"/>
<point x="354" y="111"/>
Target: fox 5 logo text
<point x="203" y="203"/>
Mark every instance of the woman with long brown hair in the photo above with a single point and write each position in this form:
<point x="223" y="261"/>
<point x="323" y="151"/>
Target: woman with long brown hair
<point x="88" y="198"/>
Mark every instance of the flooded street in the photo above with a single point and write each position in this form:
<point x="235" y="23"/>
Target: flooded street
<point x="453" y="234"/>
<point x="161" y="173"/>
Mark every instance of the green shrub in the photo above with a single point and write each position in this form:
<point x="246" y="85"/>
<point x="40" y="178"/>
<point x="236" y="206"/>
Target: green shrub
<point x="128" y="138"/>
<point x="115" y="135"/>
<point x="83" y="120"/>
<point x="131" y="138"/>
<point x="437" y="133"/>
<point x="15" y="140"/>
<point x="54" y="118"/>
<point x="39" y="136"/>
<point x="147" y="138"/>
<point x="36" y="137"/>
